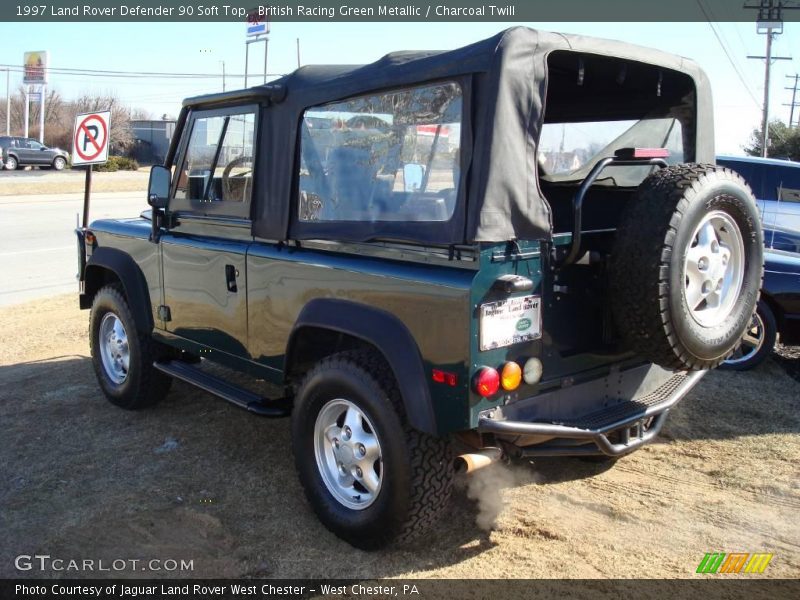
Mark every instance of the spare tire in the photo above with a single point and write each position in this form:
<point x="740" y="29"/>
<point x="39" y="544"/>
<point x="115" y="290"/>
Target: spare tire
<point x="686" y="266"/>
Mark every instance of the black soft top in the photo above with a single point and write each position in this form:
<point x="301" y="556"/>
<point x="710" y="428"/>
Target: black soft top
<point x="504" y="79"/>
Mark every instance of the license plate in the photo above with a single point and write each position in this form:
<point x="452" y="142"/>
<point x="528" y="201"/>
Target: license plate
<point x="510" y="321"/>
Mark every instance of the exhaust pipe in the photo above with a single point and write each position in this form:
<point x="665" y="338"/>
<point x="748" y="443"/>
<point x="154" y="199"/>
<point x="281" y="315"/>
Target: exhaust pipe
<point x="472" y="461"/>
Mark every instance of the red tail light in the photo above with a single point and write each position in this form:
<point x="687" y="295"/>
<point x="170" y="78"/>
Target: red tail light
<point x="487" y="382"/>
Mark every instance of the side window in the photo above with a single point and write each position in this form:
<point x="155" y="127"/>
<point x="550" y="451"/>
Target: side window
<point x="218" y="162"/>
<point x="384" y="157"/>
<point x="34" y="145"/>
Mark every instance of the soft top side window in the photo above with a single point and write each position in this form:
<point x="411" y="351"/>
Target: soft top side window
<point x="393" y="156"/>
<point x="216" y="172"/>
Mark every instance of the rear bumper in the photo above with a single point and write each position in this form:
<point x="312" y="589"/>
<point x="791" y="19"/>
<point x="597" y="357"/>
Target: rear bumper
<point x="616" y="428"/>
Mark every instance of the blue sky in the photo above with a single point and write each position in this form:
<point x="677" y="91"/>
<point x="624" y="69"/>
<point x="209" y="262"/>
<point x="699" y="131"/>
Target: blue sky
<point x="199" y="48"/>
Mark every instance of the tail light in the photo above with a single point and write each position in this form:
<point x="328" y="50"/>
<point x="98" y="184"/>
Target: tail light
<point x="487" y="382"/>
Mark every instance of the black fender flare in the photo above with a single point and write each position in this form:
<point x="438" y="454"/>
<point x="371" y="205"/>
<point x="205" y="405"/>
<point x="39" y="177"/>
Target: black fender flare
<point x="132" y="279"/>
<point x="385" y="332"/>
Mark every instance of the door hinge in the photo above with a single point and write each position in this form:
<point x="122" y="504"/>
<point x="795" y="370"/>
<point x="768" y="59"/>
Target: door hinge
<point x="164" y="313"/>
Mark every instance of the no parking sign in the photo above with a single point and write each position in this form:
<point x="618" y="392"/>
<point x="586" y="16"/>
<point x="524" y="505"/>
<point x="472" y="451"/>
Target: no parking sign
<point x="90" y="141"/>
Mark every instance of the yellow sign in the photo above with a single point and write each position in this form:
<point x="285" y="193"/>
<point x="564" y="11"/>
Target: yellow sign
<point x="35" y="67"/>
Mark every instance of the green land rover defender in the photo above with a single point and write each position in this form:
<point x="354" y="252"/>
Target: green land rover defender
<point x="521" y="247"/>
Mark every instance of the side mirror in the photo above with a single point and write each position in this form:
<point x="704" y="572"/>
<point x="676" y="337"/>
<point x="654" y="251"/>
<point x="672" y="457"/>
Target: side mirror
<point x="413" y="174"/>
<point x="158" y="187"/>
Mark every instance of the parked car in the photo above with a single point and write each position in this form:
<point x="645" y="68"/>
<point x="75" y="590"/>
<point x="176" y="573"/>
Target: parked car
<point x="18" y="152"/>
<point x="477" y="252"/>
<point x="776" y="186"/>
<point x="778" y="312"/>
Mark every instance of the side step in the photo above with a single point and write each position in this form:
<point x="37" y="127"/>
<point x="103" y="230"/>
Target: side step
<point x="219" y="387"/>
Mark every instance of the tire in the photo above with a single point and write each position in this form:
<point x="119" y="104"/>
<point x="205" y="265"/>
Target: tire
<point x="59" y="163"/>
<point x="762" y="334"/>
<point x="414" y="472"/>
<point x="134" y="383"/>
<point x="12" y="164"/>
<point x="686" y="266"/>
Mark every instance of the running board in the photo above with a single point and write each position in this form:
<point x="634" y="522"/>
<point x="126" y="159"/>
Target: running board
<point x="219" y="387"/>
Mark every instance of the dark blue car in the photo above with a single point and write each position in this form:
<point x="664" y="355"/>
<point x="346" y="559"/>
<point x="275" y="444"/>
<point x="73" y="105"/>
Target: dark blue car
<point x="776" y="186"/>
<point x="778" y="309"/>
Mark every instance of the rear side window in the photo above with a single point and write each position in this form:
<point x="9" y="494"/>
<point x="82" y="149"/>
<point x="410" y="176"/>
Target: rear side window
<point x="393" y="156"/>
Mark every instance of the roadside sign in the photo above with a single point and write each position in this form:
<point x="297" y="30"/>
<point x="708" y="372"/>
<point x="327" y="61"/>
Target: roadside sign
<point x="34" y="67"/>
<point x="90" y="140"/>
<point x="256" y="24"/>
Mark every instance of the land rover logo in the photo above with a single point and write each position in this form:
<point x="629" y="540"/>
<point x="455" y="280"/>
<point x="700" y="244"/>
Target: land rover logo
<point x="523" y="324"/>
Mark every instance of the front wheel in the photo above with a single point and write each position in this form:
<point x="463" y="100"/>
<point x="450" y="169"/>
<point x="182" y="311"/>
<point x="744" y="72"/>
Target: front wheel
<point x="123" y="356"/>
<point x="757" y="342"/>
<point x="59" y="163"/>
<point x="370" y="478"/>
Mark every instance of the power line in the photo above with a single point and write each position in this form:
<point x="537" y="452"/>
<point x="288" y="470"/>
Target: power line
<point x="727" y="53"/>
<point x="128" y="74"/>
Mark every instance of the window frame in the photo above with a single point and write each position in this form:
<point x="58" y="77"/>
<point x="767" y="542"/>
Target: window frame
<point x="221" y="208"/>
<point x="442" y="233"/>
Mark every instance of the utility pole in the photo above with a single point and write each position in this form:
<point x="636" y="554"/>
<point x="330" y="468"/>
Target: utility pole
<point x="794" y="98"/>
<point x="8" y="101"/>
<point x="298" y="53"/>
<point x="770" y="23"/>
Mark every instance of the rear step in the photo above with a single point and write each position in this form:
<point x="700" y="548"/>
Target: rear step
<point x="219" y="387"/>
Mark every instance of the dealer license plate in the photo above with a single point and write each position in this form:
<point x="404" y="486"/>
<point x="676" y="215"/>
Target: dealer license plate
<point x="510" y="322"/>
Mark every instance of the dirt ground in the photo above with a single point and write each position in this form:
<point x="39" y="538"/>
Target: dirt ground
<point x="195" y="478"/>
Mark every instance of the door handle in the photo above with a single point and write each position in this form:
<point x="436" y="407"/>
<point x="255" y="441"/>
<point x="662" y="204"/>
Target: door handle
<point x="230" y="278"/>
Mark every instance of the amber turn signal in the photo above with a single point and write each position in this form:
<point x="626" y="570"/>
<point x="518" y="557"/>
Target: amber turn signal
<point x="510" y="376"/>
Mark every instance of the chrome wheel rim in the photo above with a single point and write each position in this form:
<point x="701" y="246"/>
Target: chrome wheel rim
<point x="114" y="350"/>
<point x="11" y="164"/>
<point x="348" y="454"/>
<point x="713" y="269"/>
<point x="60" y="163"/>
<point x="752" y="342"/>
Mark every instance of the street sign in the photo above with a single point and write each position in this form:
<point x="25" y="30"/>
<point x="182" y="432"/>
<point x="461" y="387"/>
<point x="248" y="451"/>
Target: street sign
<point x="34" y="67"/>
<point x="90" y="140"/>
<point x="256" y="25"/>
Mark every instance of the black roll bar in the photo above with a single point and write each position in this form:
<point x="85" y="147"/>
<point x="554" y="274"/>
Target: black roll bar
<point x="624" y="157"/>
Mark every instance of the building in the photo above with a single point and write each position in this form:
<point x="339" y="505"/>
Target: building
<point x="151" y="140"/>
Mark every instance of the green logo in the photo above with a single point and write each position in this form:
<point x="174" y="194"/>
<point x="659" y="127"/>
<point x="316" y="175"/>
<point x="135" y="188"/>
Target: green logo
<point x="524" y="324"/>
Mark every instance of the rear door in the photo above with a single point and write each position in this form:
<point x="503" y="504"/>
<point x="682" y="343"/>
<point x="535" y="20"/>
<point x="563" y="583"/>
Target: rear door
<point x="24" y="152"/>
<point x="204" y="249"/>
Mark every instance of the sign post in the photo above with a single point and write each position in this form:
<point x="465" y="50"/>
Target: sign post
<point x="257" y="31"/>
<point x="90" y="147"/>
<point x="35" y="73"/>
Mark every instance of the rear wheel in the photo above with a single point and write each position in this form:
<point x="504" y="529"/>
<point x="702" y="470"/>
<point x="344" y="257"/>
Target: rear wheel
<point x="12" y="164"/>
<point x="687" y="266"/>
<point x="757" y="343"/>
<point x="370" y="478"/>
<point x="122" y="355"/>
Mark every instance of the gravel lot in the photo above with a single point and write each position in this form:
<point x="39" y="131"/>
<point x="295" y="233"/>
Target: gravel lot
<point x="197" y="479"/>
